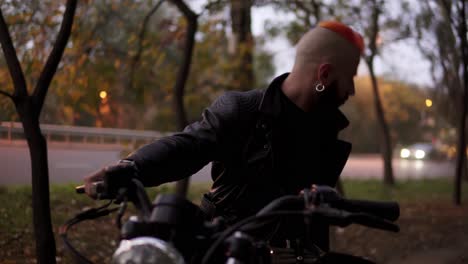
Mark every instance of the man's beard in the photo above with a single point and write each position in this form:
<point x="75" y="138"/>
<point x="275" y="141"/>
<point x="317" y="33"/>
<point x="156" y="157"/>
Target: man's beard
<point x="329" y="97"/>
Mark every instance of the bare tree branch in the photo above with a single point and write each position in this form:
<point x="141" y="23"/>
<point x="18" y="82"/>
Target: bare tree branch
<point x="6" y="94"/>
<point x="50" y="67"/>
<point x="141" y="38"/>
<point x="13" y="63"/>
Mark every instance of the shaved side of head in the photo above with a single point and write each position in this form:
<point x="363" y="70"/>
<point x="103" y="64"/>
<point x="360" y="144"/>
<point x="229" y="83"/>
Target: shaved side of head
<point x="322" y="45"/>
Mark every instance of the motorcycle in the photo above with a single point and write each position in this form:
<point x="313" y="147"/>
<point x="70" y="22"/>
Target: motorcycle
<point x="173" y="230"/>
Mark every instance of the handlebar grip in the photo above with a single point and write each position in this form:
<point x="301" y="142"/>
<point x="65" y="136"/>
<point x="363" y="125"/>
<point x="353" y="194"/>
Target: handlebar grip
<point x="386" y="210"/>
<point x="374" y="222"/>
<point x="80" y="189"/>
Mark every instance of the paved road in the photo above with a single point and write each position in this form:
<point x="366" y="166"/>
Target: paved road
<point x="70" y="164"/>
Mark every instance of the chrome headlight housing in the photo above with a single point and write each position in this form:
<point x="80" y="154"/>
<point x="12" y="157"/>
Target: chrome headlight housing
<point x="146" y="250"/>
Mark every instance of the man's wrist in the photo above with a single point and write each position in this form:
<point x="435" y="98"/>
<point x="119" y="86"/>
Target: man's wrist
<point x="132" y="164"/>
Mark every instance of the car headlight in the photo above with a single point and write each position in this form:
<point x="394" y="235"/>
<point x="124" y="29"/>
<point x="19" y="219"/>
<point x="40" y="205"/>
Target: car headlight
<point x="405" y="153"/>
<point x="146" y="250"/>
<point x="419" y="154"/>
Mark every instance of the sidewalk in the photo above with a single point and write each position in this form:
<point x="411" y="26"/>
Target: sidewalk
<point x="65" y="145"/>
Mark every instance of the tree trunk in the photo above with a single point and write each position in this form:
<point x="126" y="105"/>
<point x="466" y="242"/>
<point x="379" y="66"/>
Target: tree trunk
<point x="243" y="78"/>
<point x="465" y="173"/>
<point x="182" y="76"/>
<point x="29" y="108"/>
<point x="45" y="242"/>
<point x="386" y="145"/>
<point x="461" y="163"/>
<point x="461" y="147"/>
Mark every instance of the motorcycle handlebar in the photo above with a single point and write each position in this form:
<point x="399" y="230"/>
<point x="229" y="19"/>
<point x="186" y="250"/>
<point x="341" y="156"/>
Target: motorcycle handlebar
<point x="375" y="209"/>
<point x="343" y="211"/>
<point x="374" y="222"/>
<point x="344" y="218"/>
<point x="98" y="189"/>
<point x="387" y="210"/>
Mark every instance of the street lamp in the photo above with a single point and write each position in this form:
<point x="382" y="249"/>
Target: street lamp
<point x="104" y="107"/>
<point x="428" y="103"/>
<point x="103" y="95"/>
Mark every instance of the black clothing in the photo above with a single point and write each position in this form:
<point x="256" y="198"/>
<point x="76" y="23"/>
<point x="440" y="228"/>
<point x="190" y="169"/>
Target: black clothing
<point x="304" y="137"/>
<point x="261" y="146"/>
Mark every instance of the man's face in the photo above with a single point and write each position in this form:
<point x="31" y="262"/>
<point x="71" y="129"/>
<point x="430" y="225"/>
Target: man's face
<point x="330" y="96"/>
<point x="342" y="87"/>
<point x="345" y="89"/>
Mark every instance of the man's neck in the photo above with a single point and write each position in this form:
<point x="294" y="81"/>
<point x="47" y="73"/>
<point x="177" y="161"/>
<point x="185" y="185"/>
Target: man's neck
<point x="300" y="91"/>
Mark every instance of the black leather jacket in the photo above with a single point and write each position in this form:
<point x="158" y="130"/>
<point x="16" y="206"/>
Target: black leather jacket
<point x="236" y="134"/>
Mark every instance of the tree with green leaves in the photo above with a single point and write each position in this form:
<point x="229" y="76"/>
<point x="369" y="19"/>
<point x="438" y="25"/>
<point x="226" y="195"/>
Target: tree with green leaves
<point x="403" y="106"/>
<point x="241" y="42"/>
<point x="371" y="17"/>
<point x="441" y="30"/>
<point x="28" y="106"/>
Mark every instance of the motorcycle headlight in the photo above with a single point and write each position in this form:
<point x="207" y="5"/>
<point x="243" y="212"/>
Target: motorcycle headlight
<point x="146" y="250"/>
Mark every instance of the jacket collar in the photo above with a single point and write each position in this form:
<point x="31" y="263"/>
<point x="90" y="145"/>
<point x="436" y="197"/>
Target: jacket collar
<point x="270" y="104"/>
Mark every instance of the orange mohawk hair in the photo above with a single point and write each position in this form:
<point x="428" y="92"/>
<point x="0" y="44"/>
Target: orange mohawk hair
<point x="346" y="32"/>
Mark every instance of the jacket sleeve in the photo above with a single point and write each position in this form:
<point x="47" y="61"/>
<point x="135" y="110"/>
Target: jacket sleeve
<point x="180" y="155"/>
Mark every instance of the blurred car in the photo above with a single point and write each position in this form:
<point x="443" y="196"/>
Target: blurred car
<point x="422" y="151"/>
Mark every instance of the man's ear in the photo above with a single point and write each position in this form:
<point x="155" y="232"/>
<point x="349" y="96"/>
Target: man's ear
<point x="323" y="73"/>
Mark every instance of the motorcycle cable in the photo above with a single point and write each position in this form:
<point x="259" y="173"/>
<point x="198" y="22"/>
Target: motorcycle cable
<point x="210" y="252"/>
<point x="336" y="217"/>
<point x="86" y="215"/>
<point x="307" y="204"/>
<point x="120" y="213"/>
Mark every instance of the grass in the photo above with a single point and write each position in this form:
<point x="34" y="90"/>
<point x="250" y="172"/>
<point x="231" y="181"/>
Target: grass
<point x="16" y="231"/>
<point x="16" y="234"/>
<point x="404" y="191"/>
<point x="16" y="212"/>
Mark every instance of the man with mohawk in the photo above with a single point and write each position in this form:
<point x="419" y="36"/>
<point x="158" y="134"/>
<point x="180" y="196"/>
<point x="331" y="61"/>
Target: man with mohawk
<point x="264" y="143"/>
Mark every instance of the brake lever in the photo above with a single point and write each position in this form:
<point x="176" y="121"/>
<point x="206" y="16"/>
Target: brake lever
<point x="343" y="218"/>
<point x="322" y="194"/>
<point x="333" y="216"/>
